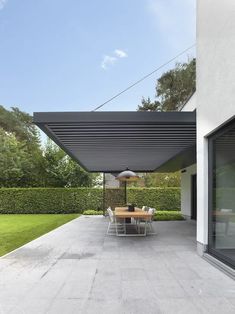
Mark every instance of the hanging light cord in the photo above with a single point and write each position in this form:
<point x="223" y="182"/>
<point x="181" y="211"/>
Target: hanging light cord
<point x="143" y="78"/>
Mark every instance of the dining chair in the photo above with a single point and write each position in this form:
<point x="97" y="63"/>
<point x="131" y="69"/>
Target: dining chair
<point x="115" y="224"/>
<point x="150" y="221"/>
<point x="145" y="208"/>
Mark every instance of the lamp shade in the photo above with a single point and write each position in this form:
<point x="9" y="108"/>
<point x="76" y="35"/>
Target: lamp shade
<point x="127" y="175"/>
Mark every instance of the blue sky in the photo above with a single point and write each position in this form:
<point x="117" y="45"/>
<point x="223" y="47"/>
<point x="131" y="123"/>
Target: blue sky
<point x="73" y="55"/>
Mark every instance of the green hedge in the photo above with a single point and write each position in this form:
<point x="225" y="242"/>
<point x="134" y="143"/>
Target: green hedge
<point x="49" y="200"/>
<point x="224" y="198"/>
<point x="168" y="215"/>
<point x="159" y="198"/>
<point x="76" y="200"/>
<point x="163" y="215"/>
<point x="92" y="212"/>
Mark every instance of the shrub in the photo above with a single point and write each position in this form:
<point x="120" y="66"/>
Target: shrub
<point x="92" y="212"/>
<point x="168" y="215"/>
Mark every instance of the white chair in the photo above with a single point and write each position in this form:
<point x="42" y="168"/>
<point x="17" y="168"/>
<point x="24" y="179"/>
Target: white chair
<point x="145" y="208"/>
<point x="115" y="225"/>
<point x="150" y="221"/>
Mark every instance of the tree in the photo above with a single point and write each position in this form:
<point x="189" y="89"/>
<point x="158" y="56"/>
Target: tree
<point x="173" y="88"/>
<point x="148" y="105"/>
<point x="162" y="179"/>
<point x="62" y="171"/>
<point x="21" y="124"/>
<point x="15" y="163"/>
<point x="24" y="163"/>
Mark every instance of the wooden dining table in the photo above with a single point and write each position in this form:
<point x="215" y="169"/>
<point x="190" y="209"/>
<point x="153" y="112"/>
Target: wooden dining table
<point x="138" y="214"/>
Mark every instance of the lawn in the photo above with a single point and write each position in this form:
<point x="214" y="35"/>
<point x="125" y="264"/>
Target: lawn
<point x="16" y="230"/>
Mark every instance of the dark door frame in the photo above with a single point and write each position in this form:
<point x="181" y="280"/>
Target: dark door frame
<point x="194" y="197"/>
<point x="225" y="127"/>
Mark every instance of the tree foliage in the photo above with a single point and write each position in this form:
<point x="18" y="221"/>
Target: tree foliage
<point x="62" y="171"/>
<point x="155" y="179"/>
<point x="173" y="88"/>
<point x="25" y="163"/>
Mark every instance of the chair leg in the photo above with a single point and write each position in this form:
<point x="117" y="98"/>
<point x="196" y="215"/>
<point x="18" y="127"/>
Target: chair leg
<point x="116" y="228"/>
<point x="108" y="228"/>
<point x="151" y="229"/>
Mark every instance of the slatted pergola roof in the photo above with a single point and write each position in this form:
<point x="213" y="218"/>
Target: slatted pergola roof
<point x="112" y="141"/>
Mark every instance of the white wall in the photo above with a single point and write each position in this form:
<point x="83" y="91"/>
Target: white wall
<point x="110" y="181"/>
<point x="186" y="185"/>
<point x="215" y="88"/>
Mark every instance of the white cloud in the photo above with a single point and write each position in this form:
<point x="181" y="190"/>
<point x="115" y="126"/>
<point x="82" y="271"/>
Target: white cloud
<point x="120" y="53"/>
<point x="2" y="3"/>
<point x="109" y="60"/>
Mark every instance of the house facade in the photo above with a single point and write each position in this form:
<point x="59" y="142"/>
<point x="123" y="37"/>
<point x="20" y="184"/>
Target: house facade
<point x="214" y="102"/>
<point x="199" y="141"/>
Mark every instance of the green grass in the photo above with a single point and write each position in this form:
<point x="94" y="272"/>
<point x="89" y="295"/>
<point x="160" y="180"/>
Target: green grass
<point x="16" y="230"/>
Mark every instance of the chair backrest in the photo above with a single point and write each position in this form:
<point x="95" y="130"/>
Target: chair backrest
<point x="110" y="213"/>
<point x="151" y="211"/>
<point x="145" y="208"/>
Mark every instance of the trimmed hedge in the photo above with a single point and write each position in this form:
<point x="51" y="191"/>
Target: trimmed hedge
<point x="92" y="212"/>
<point x="49" y="200"/>
<point x="225" y="198"/>
<point x="168" y="215"/>
<point x="76" y="200"/>
<point x="159" y="198"/>
<point x="163" y="215"/>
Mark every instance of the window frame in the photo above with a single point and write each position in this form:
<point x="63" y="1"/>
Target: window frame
<point x="223" y="129"/>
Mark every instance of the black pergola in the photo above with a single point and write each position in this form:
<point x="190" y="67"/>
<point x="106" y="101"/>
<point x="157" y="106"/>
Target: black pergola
<point x="111" y="141"/>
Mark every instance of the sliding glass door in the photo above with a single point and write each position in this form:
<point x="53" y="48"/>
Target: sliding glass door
<point x="222" y="194"/>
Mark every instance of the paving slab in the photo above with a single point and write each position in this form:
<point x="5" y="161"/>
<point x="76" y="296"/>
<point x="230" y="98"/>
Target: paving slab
<point x="77" y="268"/>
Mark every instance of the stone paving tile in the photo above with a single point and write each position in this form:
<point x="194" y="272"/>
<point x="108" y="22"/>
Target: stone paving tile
<point x="77" y="268"/>
<point x="210" y="288"/>
<point x="75" y="289"/>
<point x="31" y="306"/>
<point x="100" y="306"/>
<point x="141" y="290"/>
<point x="137" y="306"/>
<point x="177" y="306"/>
<point x="210" y="305"/>
<point x="70" y="306"/>
<point x="106" y="289"/>
<point x="165" y="289"/>
<point x="133" y="274"/>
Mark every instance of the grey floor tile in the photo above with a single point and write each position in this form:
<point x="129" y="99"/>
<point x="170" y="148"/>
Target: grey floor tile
<point x="136" y="306"/>
<point x="133" y="274"/>
<point x="177" y="306"/>
<point x="132" y="290"/>
<point x="100" y="306"/>
<point x="77" y="268"/>
<point x="213" y="305"/>
<point x="64" y="306"/>
<point x="31" y="306"/>
<point x="106" y="289"/>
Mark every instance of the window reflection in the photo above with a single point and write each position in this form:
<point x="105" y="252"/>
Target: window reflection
<point x="223" y="190"/>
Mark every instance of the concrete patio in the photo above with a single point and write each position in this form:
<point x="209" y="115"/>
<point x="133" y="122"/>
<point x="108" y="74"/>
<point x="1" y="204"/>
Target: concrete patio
<point x="78" y="269"/>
